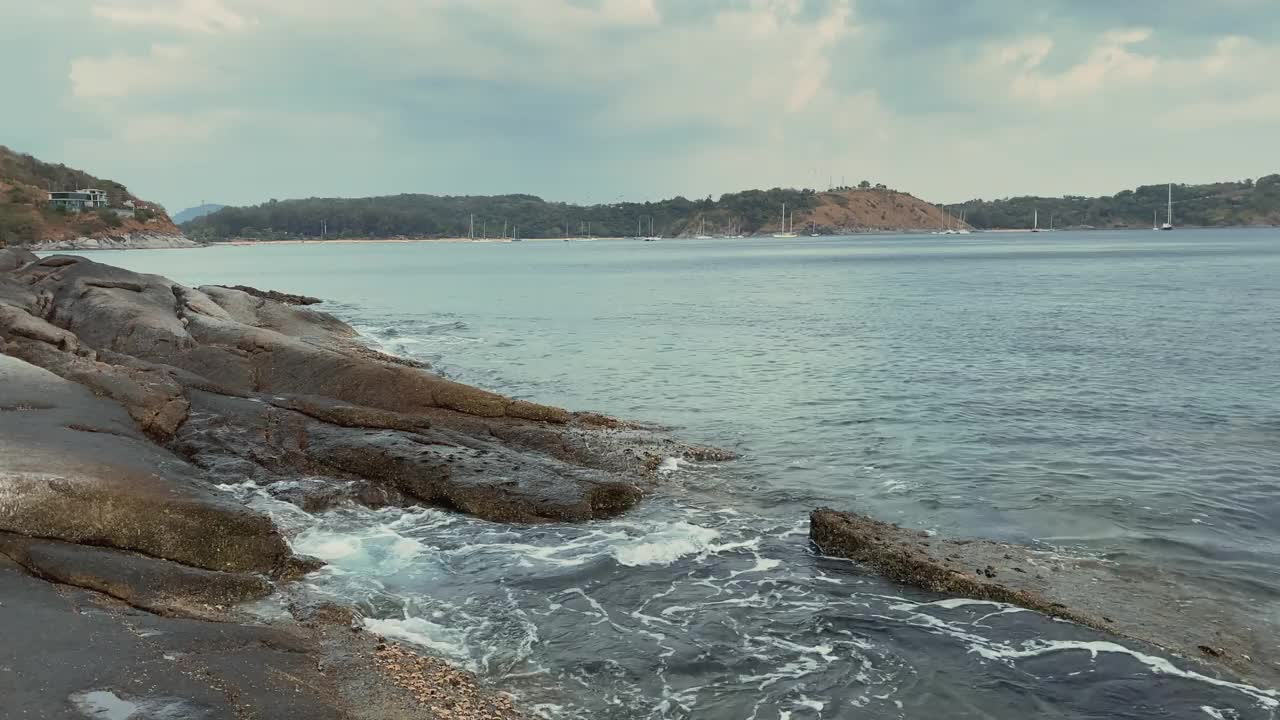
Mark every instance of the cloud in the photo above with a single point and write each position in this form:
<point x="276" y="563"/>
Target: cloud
<point x="163" y="68"/>
<point x="1111" y="62"/>
<point x="199" y="16"/>
<point x="591" y="99"/>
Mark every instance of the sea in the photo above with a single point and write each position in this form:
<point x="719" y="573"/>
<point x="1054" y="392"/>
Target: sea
<point x="1110" y="395"/>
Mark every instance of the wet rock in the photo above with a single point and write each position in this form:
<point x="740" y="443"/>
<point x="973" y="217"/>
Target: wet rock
<point x="281" y="297"/>
<point x="157" y="585"/>
<point x="75" y="467"/>
<point x="310" y="612"/>
<point x="298" y="566"/>
<point x="1102" y="595"/>
<point x="246" y="387"/>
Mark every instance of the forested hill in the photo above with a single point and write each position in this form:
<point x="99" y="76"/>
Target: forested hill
<point x="1243" y="203"/>
<point x="753" y="211"/>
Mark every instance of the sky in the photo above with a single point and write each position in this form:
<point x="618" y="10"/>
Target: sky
<point x="241" y="101"/>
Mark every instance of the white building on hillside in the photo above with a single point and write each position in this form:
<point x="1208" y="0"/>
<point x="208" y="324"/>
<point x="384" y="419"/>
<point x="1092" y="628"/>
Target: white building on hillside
<point x="79" y="200"/>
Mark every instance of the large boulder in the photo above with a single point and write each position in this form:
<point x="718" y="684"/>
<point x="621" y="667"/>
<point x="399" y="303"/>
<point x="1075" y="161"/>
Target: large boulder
<point x="247" y="387"/>
<point x="75" y="467"/>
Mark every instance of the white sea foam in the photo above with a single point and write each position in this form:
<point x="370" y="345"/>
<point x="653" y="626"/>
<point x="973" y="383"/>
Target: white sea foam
<point x="953" y="603"/>
<point x="666" y="545"/>
<point x="1266" y="698"/>
<point x="424" y="633"/>
<point x="762" y="565"/>
<point x="815" y="705"/>
<point x="378" y="550"/>
<point x="669" y="465"/>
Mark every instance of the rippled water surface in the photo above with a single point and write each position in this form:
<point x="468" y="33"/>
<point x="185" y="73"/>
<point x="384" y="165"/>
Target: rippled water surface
<point x="1107" y="394"/>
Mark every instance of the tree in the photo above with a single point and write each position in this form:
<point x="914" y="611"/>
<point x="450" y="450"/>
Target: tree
<point x="109" y="218"/>
<point x="865" y="184"/>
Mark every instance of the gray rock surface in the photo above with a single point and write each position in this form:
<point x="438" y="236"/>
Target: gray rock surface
<point x="126" y="400"/>
<point x="71" y="653"/>
<point x="75" y="467"/>
<point x="241" y="386"/>
<point x="125" y="241"/>
<point x="1150" y="606"/>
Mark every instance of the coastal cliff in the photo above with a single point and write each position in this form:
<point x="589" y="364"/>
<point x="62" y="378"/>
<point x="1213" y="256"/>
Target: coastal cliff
<point x="126" y="400"/>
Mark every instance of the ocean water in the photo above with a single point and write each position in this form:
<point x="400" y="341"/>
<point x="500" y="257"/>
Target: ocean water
<point x="1114" y="395"/>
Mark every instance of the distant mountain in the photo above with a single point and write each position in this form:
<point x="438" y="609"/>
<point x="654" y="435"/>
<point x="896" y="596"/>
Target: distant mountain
<point x="28" y="218"/>
<point x="196" y="212"/>
<point x="750" y="212"/>
<point x="1222" y="204"/>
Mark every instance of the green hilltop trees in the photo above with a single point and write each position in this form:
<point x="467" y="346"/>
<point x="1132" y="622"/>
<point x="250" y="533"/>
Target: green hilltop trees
<point x="1213" y="205"/>
<point x="450" y="216"/>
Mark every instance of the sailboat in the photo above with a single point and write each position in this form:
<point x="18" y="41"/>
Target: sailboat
<point x="962" y="229"/>
<point x="784" y="233"/>
<point x="702" y="231"/>
<point x="1168" y="223"/>
<point x="734" y="230"/>
<point x="813" y="228"/>
<point x="948" y="230"/>
<point x="1035" y="227"/>
<point x="651" y="237"/>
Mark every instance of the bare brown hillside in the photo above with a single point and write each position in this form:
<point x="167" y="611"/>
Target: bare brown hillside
<point x="870" y="210"/>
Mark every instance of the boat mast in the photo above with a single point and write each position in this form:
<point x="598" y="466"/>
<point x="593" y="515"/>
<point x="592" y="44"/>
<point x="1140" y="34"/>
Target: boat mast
<point x="1170" y="217"/>
<point x="784" y="218"/>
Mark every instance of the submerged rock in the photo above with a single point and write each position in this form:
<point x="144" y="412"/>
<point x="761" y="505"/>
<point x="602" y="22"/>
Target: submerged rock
<point x="1103" y="595"/>
<point x="286" y="298"/>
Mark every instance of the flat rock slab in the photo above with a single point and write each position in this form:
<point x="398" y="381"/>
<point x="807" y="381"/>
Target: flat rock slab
<point x="69" y="653"/>
<point x="75" y="467"/>
<point x="156" y="585"/>
<point x="65" y="655"/>
<point x="1088" y="591"/>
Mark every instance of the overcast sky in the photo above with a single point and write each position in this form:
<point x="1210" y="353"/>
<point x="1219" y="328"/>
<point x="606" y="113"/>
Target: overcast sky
<point x="239" y="101"/>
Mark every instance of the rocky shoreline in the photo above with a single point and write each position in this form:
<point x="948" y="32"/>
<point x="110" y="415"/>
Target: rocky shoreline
<point x="126" y="241"/>
<point x="125" y="399"/>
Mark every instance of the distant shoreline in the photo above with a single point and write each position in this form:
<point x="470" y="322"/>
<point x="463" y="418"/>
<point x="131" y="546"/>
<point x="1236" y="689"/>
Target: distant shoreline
<point x="240" y="242"/>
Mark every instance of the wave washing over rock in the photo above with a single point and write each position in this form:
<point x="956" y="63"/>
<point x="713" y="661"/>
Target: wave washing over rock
<point x="127" y="401"/>
<point x="127" y="241"/>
